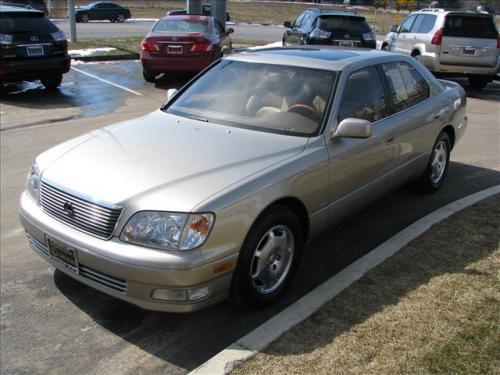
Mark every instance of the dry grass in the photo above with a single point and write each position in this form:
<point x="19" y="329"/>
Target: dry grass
<point x="432" y="308"/>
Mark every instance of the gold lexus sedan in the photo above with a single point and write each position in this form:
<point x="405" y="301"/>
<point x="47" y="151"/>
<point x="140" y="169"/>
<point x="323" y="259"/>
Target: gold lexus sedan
<point x="214" y="195"/>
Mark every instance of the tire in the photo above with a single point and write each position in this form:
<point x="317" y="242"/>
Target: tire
<point x="112" y="20"/>
<point x="477" y="83"/>
<point x="53" y="82"/>
<point x="148" y="76"/>
<point x="120" y="18"/>
<point x="385" y="47"/>
<point x="437" y="168"/>
<point x="84" y="18"/>
<point x="262" y="259"/>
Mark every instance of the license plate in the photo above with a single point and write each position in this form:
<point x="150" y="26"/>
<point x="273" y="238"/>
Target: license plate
<point x="346" y="44"/>
<point x="63" y="254"/>
<point x="174" y="50"/>
<point x="469" y="51"/>
<point x="35" y="51"/>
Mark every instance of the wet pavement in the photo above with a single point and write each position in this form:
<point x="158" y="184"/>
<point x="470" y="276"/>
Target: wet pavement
<point x="51" y="323"/>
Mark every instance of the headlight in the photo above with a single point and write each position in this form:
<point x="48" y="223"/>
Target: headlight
<point x="168" y="230"/>
<point x="33" y="183"/>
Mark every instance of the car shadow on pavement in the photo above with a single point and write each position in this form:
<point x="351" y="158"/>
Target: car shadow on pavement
<point x="186" y="341"/>
<point x="490" y="92"/>
<point x="173" y="81"/>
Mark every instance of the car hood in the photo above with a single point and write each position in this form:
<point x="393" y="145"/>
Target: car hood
<point x="162" y="161"/>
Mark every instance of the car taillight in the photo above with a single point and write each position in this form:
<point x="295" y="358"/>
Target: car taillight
<point x="201" y="47"/>
<point x="150" y="46"/>
<point x="438" y="37"/>
<point x="317" y="33"/>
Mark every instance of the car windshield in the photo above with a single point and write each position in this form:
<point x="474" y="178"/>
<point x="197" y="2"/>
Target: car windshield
<point x="176" y="26"/>
<point x="26" y="23"/>
<point x="351" y="24"/>
<point x="274" y="98"/>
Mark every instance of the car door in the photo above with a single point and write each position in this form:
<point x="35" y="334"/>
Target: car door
<point x="402" y="43"/>
<point x="360" y="168"/>
<point x="412" y="36"/>
<point x="295" y="31"/>
<point x="224" y="39"/>
<point x="95" y="13"/>
<point x="418" y="116"/>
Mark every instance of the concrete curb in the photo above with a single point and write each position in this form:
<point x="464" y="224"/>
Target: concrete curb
<point x="261" y="337"/>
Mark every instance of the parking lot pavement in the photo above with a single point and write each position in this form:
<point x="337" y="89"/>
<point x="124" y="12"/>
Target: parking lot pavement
<point x="51" y="323"/>
<point x="128" y="29"/>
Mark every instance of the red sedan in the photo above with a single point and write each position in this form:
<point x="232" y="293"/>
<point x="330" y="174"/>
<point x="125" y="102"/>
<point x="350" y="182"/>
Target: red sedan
<point x="183" y="43"/>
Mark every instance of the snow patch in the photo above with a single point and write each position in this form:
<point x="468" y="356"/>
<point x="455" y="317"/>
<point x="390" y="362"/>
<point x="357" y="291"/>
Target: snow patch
<point x="90" y="51"/>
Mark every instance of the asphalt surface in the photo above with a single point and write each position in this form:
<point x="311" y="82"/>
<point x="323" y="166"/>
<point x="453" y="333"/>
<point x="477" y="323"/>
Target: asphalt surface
<point x="128" y="29"/>
<point x="51" y="323"/>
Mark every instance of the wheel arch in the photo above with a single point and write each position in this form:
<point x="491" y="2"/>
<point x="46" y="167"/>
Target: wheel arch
<point x="450" y="131"/>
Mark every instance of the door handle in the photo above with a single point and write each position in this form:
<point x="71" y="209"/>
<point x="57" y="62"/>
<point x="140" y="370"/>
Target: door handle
<point x="390" y="138"/>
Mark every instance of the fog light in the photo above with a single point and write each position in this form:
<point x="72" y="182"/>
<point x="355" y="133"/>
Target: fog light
<point x="183" y="295"/>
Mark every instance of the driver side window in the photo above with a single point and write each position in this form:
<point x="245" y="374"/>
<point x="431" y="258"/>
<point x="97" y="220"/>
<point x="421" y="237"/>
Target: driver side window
<point x="298" y="21"/>
<point x="407" y="24"/>
<point x="363" y="96"/>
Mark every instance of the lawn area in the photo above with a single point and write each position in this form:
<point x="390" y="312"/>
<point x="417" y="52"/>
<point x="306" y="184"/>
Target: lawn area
<point x="433" y="308"/>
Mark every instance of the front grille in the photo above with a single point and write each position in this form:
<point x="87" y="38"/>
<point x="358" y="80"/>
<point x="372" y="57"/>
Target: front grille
<point x="89" y="273"/>
<point x="79" y="213"/>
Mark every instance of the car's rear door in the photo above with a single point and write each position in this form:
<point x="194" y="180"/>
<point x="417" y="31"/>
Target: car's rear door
<point x="360" y="168"/>
<point x="469" y="39"/>
<point x="418" y="115"/>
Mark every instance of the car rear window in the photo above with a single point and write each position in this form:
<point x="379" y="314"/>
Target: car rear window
<point x="353" y="25"/>
<point x="470" y="27"/>
<point x="26" y="23"/>
<point x="171" y="26"/>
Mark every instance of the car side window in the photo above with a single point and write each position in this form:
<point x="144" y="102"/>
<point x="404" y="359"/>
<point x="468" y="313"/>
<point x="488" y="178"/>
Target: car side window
<point x="407" y="87"/>
<point x="407" y="24"/>
<point x="219" y="28"/>
<point x="363" y="96"/>
<point x="308" y="22"/>
<point x="418" y="22"/>
<point x="428" y="24"/>
<point x="298" y="21"/>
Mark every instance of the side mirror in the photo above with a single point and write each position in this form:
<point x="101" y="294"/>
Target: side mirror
<point x="230" y="31"/>
<point x="394" y="28"/>
<point x="287" y="24"/>
<point x="171" y="93"/>
<point x="353" y="128"/>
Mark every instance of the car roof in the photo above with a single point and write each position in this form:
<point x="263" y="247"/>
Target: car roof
<point x="326" y="58"/>
<point x="17" y="9"/>
<point x="445" y="12"/>
<point x="334" y="12"/>
<point x="188" y="17"/>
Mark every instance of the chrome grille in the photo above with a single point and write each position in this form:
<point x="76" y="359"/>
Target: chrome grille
<point x="89" y="273"/>
<point x="79" y="213"/>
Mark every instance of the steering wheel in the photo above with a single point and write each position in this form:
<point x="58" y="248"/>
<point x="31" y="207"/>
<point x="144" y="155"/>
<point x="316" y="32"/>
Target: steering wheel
<point x="305" y="110"/>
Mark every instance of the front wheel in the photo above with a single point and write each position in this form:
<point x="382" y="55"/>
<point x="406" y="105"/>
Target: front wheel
<point x="84" y="18"/>
<point x="121" y="18"/>
<point x="437" y="168"/>
<point x="53" y="82"/>
<point x="268" y="259"/>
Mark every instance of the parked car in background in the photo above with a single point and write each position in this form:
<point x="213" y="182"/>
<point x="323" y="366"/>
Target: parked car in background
<point x="31" y="47"/>
<point x="183" y="43"/>
<point x="102" y="11"/>
<point x="329" y="27"/>
<point x="215" y="194"/>
<point x="35" y="4"/>
<point x="450" y="43"/>
<point x="206" y="10"/>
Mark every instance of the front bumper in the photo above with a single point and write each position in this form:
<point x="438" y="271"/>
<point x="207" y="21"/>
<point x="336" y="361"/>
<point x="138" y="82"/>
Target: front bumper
<point x="131" y="278"/>
<point x="32" y="69"/>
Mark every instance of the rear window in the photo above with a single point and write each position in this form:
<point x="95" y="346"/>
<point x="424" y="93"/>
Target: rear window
<point x="171" y="26"/>
<point x="353" y="25"/>
<point x="26" y="23"/>
<point x="470" y="27"/>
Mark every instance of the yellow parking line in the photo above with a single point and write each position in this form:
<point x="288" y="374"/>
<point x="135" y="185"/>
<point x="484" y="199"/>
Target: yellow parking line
<point x="106" y="81"/>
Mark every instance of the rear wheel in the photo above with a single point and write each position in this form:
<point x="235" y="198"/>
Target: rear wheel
<point x="385" y="47"/>
<point x="52" y="83"/>
<point x="437" y="168"/>
<point x="120" y="18"/>
<point x="84" y="18"/>
<point x="477" y="83"/>
<point x="268" y="259"/>
<point x="148" y="76"/>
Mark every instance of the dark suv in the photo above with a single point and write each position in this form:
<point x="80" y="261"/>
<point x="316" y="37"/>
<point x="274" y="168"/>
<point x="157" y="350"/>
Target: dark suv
<point x="31" y="47"/>
<point x="323" y="26"/>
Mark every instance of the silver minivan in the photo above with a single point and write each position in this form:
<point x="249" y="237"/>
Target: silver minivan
<point x="450" y="43"/>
